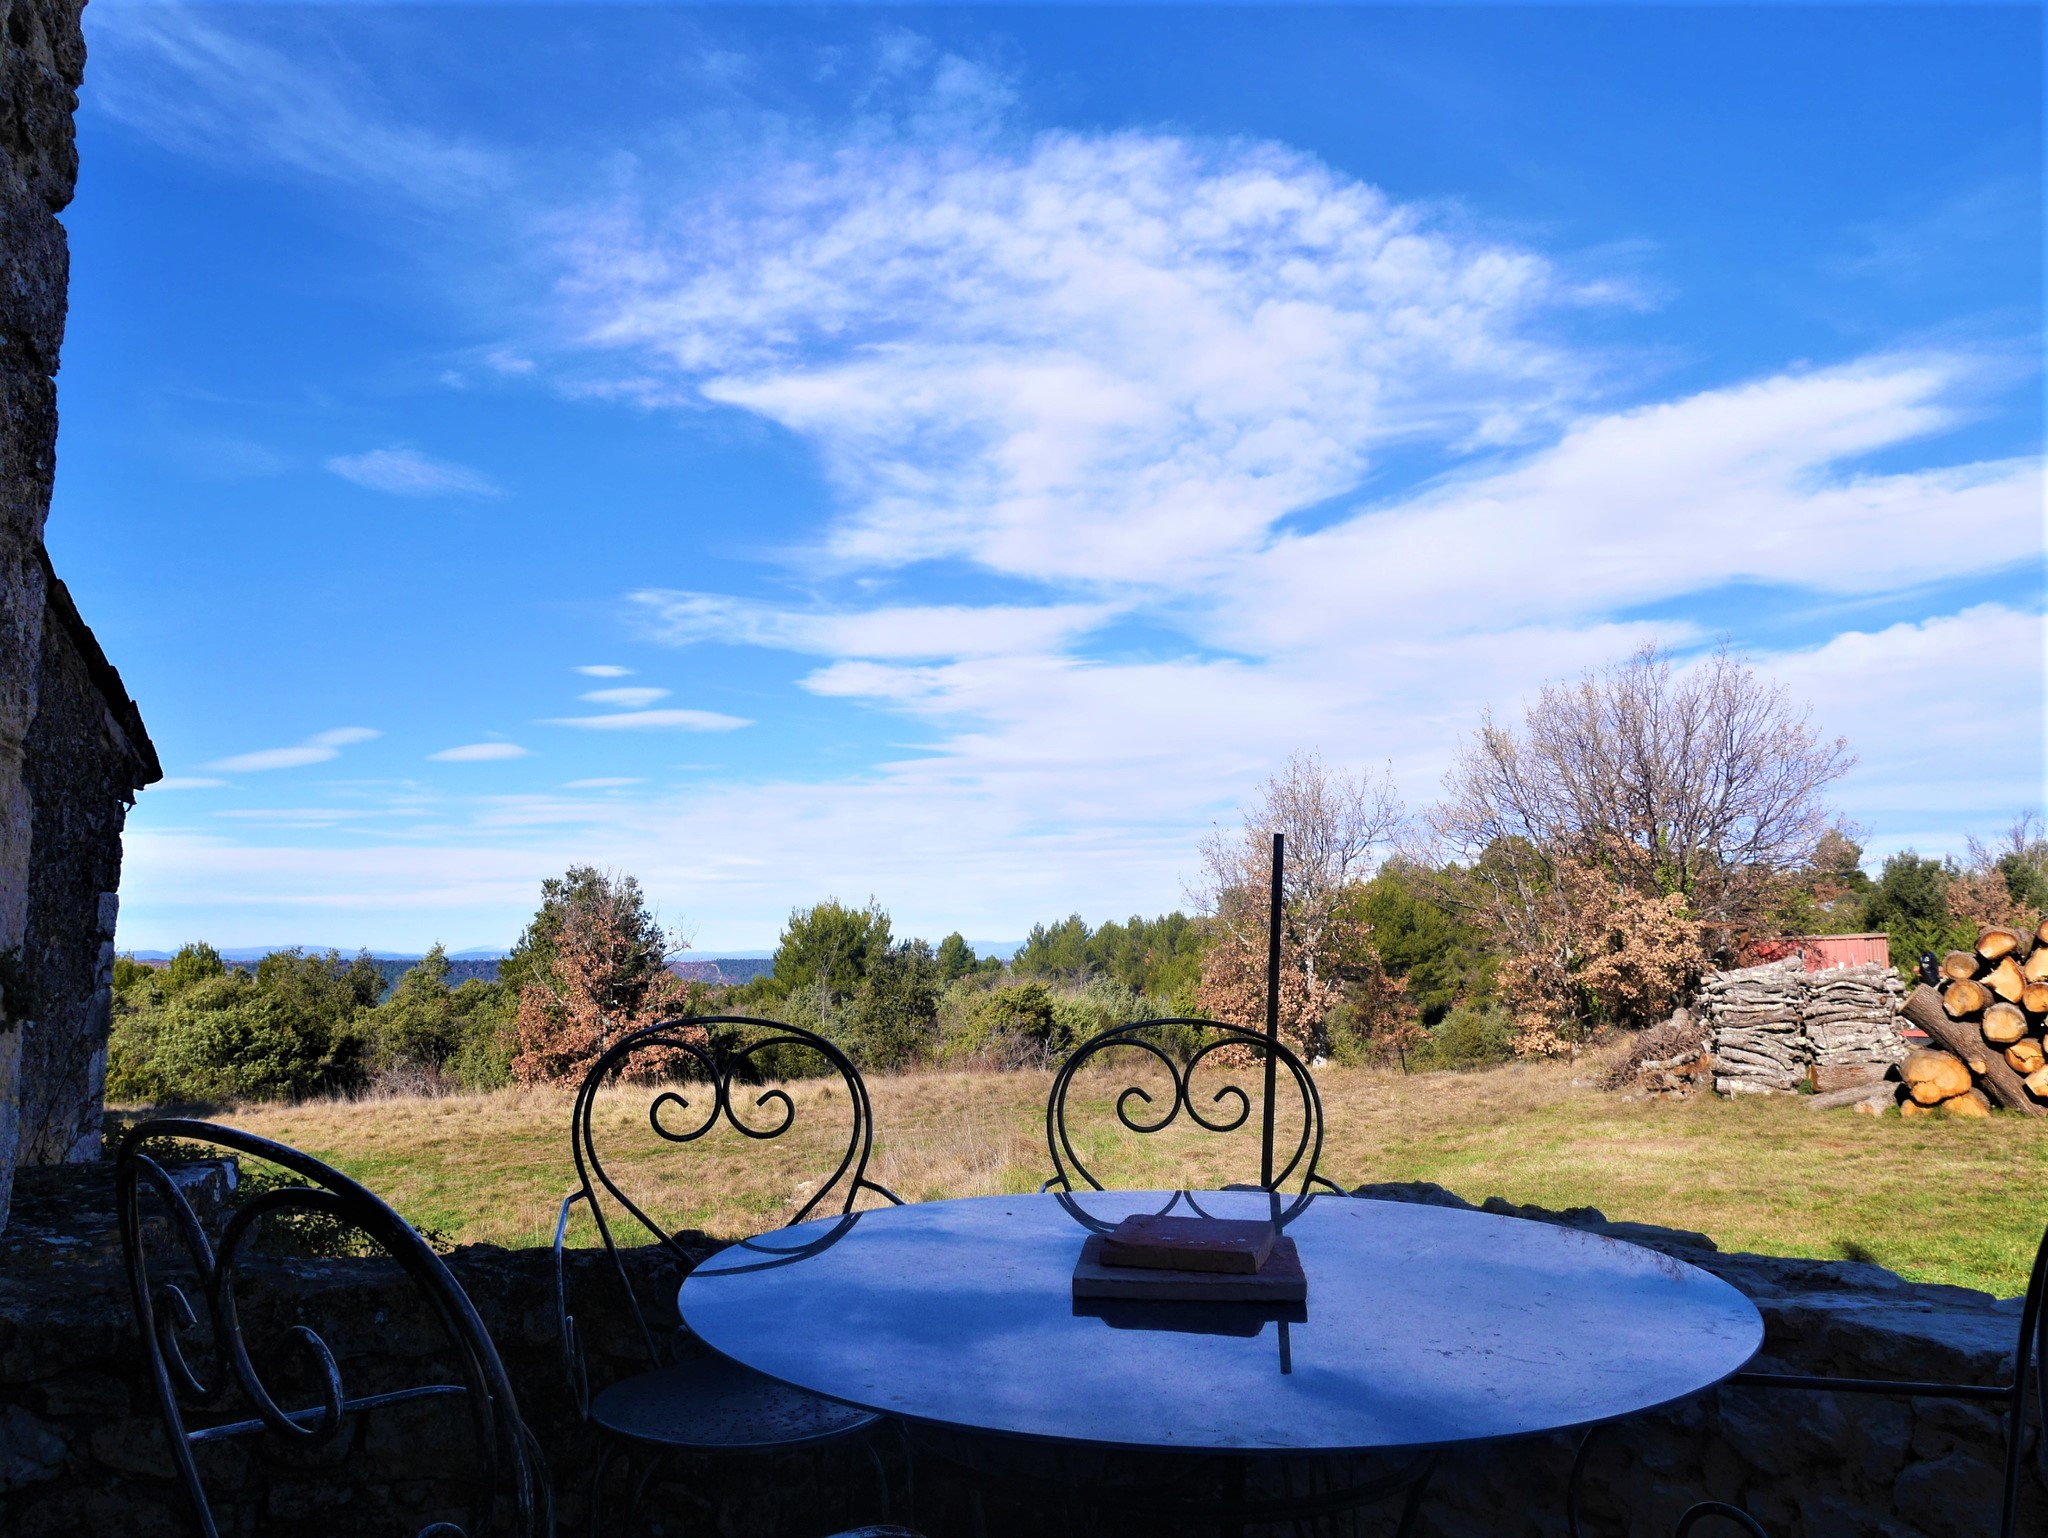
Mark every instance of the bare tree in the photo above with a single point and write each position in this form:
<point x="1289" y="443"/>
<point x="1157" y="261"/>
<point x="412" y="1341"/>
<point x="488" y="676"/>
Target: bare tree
<point x="1336" y="825"/>
<point x="1706" y="783"/>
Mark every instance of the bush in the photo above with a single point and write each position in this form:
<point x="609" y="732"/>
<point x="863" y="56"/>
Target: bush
<point x="1468" y="1037"/>
<point x="249" y="1049"/>
<point x="893" y="1018"/>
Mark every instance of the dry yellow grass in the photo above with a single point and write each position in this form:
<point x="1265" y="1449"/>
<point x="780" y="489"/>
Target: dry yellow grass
<point x="1938" y="1201"/>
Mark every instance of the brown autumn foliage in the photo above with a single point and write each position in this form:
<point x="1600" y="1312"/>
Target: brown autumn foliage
<point x="606" y="975"/>
<point x="1350" y="978"/>
<point x="1599" y="954"/>
<point x="1982" y="895"/>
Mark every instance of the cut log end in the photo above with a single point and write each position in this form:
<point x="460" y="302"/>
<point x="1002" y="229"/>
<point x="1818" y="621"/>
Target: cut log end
<point x="2005" y="980"/>
<point x="1932" y="1077"/>
<point x="2034" y="999"/>
<point x="1973" y="1104"/>
<point x="1995" y="943"/>
<point x="2004" y="1024"/>
<point x="1959" y="966"/>
<point x="2026" y="1057"/>
<point x="1965" y="998"/>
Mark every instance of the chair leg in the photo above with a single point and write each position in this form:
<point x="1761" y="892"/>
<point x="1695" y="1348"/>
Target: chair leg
<point x="1412" y="1506"/>
<point x="606" y="1447"/>
<point x="867" y="1445"/>
<point x="1577" y="1481"/>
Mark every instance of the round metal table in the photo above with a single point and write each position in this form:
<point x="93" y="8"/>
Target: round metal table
<point x="1424" y="1326"/>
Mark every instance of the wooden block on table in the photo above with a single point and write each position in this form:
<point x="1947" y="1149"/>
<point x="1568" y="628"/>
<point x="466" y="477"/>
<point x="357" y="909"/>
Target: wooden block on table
<point x="1165" y="1243"/>
<point x="1281" y="1280"/>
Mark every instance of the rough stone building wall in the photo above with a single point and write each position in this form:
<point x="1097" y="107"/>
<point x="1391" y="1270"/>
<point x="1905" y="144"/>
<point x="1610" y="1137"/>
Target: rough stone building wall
<point x="42" y="59"/>
<point x="87" y="756"/>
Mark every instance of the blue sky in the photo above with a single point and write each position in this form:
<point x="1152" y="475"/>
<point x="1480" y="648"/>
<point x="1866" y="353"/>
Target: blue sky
<point x="954" y="456"/>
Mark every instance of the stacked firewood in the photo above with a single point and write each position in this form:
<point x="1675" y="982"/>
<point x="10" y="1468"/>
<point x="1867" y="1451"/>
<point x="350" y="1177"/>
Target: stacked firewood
<point x="1778" y="1028"/>
<point x="1754" y="1021"/>
<point x="1851" y="1024"/>
<point x="1987" y="1021"/>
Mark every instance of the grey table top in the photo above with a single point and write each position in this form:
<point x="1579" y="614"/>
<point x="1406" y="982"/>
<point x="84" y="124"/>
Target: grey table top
<point x="1424" y="1326"/>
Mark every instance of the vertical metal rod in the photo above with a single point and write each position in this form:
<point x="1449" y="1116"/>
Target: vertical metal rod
<point x="1272" y="1009"/>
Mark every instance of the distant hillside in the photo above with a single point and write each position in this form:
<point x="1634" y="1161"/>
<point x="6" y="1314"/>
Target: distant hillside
<point x="723" y="969"/>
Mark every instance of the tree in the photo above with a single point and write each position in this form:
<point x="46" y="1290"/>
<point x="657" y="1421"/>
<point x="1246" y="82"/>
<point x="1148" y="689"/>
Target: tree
<point x="2006" y="885"/>
<point x="829" y="946"/>
<point x="1335" y="825"/>
<point x="1161" y="956"/>
<point x="193" y="963"/>
<point x="1910" y="903"/>
<point x="593" y="966"/>
<point x="1707" y="784"/>
<point x="893" y="1018"/>
<point x="956" y="958"/>
<point x="1430" y="946"/>
<point x="1610" y="956"/>
<point x="417" y="1026"/>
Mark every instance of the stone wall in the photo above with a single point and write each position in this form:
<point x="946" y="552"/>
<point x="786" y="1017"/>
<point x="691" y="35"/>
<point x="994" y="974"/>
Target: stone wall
<point x="87" y="757"/>
<point x="80" y="1451"/>
<point x="42" y="58"/>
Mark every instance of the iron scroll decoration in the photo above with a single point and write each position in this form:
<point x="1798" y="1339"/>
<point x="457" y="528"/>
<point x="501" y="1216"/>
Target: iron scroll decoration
<point x="164" y="1314"/>
<point x="1229" y="1107"/>
<point x="723" y="1068"/>
<point x="720" y="1064"/>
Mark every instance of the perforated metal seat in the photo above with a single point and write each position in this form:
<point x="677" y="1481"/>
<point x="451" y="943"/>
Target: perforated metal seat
<point x="715" y="1405"/>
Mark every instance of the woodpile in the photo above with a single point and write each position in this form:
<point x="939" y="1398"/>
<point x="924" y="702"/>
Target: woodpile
<point x="1851" y="1024"/>
<point x="1776" y="1028"/>
<point x="1987" y="1022"/>
<point x="1753" y="1018"/>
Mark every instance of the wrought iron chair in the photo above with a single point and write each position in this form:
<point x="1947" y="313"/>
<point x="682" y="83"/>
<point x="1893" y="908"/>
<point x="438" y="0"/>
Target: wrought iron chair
<point x="206" y="1368"/>
<point x="2030" y="1360"/>
<point x="686" y="1400"/>
<point x="1234" y="1053"/>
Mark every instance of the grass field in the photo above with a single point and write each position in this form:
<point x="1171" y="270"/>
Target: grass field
<point x="1959" y="1202"/>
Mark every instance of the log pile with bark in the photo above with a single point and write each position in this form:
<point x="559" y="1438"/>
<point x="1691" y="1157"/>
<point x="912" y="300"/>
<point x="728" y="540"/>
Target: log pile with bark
<point x="1754" y="1018"/>
<point x="1777" y="1028"/>
<point x="1987" y="1023"/>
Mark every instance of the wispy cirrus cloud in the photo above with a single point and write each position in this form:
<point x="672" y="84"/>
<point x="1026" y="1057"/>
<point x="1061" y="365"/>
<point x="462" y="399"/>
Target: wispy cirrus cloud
<point x="654" y="721"/>
<point x="925" y="630"/>
<point x="320" y="748"/>
<point x="1088" y="357"/>
<point x="243" y="95"/>
<point x="409" y="473"/>
<point x="629" y="698"/>
<point x="480" y="753"/>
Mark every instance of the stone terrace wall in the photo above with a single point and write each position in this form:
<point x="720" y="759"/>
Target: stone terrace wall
<point x="80" y="1451"/>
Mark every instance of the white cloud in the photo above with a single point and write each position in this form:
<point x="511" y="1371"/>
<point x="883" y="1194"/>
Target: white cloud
<point x="605" y="670"/>
<point x="935" y="630"/>
<point x="654" y="720"/>
<point x="174" y="75"/>
<point x="1098" y="357"/>
<point x="317" y="749"/>
<point x="479" y="752"/>
<point x="630" y="698"/>
<point x="407" y="473"/>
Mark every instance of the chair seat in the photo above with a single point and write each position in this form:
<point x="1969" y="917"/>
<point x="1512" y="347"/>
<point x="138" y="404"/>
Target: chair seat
<point x="711" y="1402"/>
